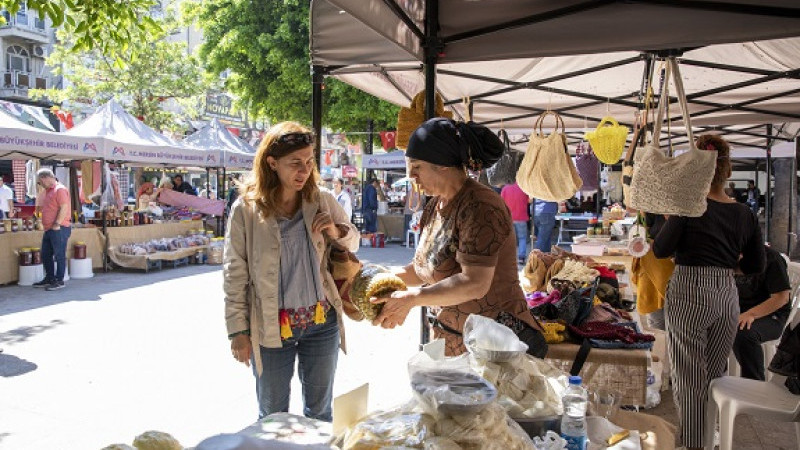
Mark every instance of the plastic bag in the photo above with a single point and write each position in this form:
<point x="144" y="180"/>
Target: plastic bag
<point x="489" y="340"/>
<point x="490" y="429"/>
<point x="391" y="428"/>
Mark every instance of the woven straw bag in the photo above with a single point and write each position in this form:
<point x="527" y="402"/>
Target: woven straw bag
<point x="588" y="167"/>
<point x="547" y="171"/>
<point x="412" y="117"/>
<point x="608" y="140"/>
<point x="667" y="185"/>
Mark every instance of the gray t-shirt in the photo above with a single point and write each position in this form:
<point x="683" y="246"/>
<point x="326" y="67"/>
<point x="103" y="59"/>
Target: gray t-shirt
<point x="300" y="281"/>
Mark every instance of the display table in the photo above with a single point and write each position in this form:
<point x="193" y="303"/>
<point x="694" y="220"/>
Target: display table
<point x="143" y="233"/>
<point x="392" y="226"/>
<point x="621" y="370"/>
<point x="11" y="242"/>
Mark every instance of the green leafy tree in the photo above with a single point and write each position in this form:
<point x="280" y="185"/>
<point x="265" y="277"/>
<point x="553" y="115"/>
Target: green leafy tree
<point x="142" y="75"/>
<point x="264" y="46"/>
<point x="109" y="24"/>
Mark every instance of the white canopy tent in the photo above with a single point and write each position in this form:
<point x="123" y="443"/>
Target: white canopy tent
<point x="230" y="151"/>
<point x="126" y="139"/>
<point x="21" y="141"/>
<point x="584" y="59"/>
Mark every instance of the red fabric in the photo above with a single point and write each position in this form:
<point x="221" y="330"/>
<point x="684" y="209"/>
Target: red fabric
<point x="65" y="118"/>
<point x="389" y="139"/>
<point x="608" y="331"/>
<point x="517" y="202"/>
<point x="605" y="272"/>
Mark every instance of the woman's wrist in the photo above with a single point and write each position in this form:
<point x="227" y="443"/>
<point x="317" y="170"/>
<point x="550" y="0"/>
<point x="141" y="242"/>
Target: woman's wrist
<point x="233" y="335"/>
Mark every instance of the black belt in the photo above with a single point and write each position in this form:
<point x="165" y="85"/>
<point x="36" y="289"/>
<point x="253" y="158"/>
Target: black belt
<point x="438" y="324"/>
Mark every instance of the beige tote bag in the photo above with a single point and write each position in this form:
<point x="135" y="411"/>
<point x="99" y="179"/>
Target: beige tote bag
<point x="547" y="171"/>
<point x="675" y="186"/>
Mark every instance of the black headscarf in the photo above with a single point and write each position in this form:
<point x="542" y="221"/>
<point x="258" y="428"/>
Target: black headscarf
<point x="445" y="142"/>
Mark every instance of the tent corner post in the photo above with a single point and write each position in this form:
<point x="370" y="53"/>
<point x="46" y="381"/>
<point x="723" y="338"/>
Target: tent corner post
<point x="317" y="80"/>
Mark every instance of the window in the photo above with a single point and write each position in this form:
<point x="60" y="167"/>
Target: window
<point x="38" y="23"/>
<point x="22" y="15"/>
<point x="17" y="59"/>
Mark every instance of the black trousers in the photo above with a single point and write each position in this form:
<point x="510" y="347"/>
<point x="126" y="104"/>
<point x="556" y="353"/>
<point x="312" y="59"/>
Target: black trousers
<point x="747" y="346"/>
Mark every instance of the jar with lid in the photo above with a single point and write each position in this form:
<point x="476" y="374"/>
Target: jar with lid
<point x="25" y="257"/>
<point x="14" y="226"/>
<point x="36" y="255"/>
<point x="79" y="250"/>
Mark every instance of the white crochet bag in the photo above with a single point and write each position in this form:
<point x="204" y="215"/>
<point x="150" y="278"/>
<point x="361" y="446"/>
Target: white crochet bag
<point x="547" y="171"/>
<point x="677" y="185"/>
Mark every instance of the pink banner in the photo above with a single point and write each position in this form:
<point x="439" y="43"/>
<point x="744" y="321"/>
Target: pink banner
<point x="201" y="204"/>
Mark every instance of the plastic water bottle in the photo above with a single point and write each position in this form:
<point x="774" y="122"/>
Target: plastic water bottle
<point x="573" y="422"/>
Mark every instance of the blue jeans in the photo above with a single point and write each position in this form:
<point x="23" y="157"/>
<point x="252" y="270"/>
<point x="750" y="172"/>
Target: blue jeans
<point x="543" y="224"/>
<point x="54" y="250"/>
<point x="521" y="230"/>
<point x="370" y="220"/>
<point x="316" y="349"/>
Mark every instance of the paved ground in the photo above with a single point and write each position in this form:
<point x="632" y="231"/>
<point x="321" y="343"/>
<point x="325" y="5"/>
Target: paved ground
<point x="108" y="358"/>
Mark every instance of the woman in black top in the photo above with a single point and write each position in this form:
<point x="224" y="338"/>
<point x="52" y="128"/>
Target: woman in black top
<point x="702" y="304"/>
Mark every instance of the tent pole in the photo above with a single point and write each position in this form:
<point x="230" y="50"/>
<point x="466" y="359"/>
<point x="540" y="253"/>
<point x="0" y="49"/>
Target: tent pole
<point x="792" y="202"/>
<point x="316" y="110"/>
<point x="768" y="199"/>
<point x="103" y="214"/>
<point x="432" y="46"/>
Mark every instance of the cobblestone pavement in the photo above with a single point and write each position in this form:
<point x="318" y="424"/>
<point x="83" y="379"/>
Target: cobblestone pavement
<point x="111" y="357"/>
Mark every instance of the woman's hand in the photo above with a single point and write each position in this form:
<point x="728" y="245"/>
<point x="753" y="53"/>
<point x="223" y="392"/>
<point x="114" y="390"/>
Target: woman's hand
<point x="323" y="223"/>
<point x="746" y="319"/>
<point x="395" y="308"/>
<point x="241" y="348"/>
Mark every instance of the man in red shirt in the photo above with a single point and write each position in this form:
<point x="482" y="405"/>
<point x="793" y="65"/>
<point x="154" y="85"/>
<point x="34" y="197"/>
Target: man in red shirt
<point x="517" y="202"/>
<point x="55" y="209"/>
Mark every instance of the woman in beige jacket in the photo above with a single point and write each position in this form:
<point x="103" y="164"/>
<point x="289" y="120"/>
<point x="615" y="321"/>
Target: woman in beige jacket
<point x="280" y="298"/>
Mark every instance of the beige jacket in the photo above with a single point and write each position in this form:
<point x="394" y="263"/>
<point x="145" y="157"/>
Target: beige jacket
<point x="251" y="261"/>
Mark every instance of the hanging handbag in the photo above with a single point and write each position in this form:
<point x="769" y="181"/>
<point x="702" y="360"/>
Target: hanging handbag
<point x="675" y="185"/>
<point x="412" y="117"/>
<point x="504" y="171"/>
<point x="608" y="140"/>
<point x="627" y="164"/>
<point x="588" y="167"/>
<point x="547" y="171"/>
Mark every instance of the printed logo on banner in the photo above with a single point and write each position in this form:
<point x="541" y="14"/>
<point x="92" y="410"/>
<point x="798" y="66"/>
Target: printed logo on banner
<point x="232" y="159"/>
<point x="88" y="146"/>
<point x="118" y="151"/>
<point x="211" y="158"/>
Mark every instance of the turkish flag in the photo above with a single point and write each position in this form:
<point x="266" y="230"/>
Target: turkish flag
<point x="389" y="139"/>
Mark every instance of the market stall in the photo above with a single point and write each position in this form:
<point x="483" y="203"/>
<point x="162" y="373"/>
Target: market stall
<point x="12" y="242"/>
<point x="389" y="223"/>
<point x="118" y="236"/>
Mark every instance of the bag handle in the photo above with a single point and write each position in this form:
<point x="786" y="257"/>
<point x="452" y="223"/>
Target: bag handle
<point x="672" y="70"/>
<point x="608" y="120"/>
<point x="540" y="121"/>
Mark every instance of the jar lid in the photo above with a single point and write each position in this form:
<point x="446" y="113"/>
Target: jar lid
<point x="25" y="249"/>
<point x="35" y="249"/>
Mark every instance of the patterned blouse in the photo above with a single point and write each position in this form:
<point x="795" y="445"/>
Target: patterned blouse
<point x="473" y="229"/>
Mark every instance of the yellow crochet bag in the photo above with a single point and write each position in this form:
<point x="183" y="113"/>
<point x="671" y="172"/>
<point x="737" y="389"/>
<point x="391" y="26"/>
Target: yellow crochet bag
<point x="410" y="118"/>
<point x="608" y="140"/>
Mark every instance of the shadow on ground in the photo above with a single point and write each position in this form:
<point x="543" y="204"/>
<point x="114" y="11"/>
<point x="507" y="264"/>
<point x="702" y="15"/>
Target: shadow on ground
<point x="388" y="256"/>
<point x="22" y="334"/>
<point x="11" y="366"/>
<point x="14" y="298"/>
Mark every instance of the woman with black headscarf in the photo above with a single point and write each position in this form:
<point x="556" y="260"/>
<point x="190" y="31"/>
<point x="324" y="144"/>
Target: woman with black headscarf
<point x="466" y="260"/>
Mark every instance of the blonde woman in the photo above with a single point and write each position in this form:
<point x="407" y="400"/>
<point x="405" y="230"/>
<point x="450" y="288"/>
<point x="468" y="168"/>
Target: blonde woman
<point x="281" y="304"/>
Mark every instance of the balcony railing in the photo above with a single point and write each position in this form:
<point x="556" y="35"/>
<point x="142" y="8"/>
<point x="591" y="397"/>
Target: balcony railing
<point x="22" y="80"/>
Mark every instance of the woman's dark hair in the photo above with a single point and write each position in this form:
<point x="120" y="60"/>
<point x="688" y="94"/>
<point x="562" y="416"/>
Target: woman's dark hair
<point x="713" y="142"/>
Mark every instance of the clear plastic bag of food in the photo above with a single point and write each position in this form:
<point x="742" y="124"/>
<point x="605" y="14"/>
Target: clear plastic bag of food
<point x="490" y="429"/>
<point x="397" y="428"/>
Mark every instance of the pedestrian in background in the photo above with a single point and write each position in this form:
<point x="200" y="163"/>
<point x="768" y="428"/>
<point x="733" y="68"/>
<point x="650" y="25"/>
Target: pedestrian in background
<point x="369" y="206"/>
<point x="55" y="208"/>
<point x="518" y="203"/>
<point x="6" y="200"/>
<point x="343" y="197"/>
<point x="181" y="186"/>
<point x="544" y="220"/>
<point x="281" y="303"/>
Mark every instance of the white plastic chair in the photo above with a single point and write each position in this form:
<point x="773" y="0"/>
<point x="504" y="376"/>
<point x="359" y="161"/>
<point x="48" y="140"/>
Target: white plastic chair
<point x="768" y="348"/>
<point x="732" y="396"/>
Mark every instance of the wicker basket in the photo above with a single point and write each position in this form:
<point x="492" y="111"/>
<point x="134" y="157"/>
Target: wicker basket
<point x="410" y="118"/>
<point x="608" y="140"/>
